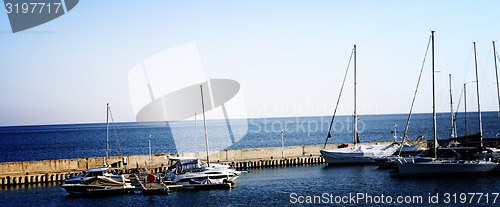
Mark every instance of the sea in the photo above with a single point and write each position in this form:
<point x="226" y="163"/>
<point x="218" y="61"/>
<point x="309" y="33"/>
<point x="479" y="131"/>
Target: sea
<point x="344" y="185"/>
<point x="50" y="142"/>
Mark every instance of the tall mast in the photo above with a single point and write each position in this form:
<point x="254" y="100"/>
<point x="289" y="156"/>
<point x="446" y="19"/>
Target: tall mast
<point x="478" y="102"/>
<point x="204" y="124"/>
<point x="195" y="133"/>
<point x="107" y="133"/>
<point x="434" y="100"/>
<point x="453" y="126"/>
<point x="149" y="146"/>
<point x="356" y="140"/>
<point x="496" y="73"/>
<point x="465" y="111"/>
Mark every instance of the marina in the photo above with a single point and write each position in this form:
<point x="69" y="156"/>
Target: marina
<point x="249" y="103"/>
<point x="261" y="187"/>
<point x="19" y="173"/>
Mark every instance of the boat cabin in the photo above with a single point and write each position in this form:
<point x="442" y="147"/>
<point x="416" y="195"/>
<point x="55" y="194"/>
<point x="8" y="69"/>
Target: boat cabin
<point x="186" y="164"/>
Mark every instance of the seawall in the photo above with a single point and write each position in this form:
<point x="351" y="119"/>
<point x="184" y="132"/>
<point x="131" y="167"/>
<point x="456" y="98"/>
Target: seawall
<point x="15" y="173"/>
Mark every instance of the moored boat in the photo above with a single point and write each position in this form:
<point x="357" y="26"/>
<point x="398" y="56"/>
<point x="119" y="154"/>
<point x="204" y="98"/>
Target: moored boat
<point x="470" y="163"/>
<point x="357" y="153"/>
<point x="189" y="170"/>
<point x="99" y="185"/>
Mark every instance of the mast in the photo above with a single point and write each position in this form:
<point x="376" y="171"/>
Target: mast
<point x="338" y="100"/>
<point x="395" y="136"/>
<point x="496" y="73"/>
<point x="434" y="100"/>
<point x="453" y="126"/>
<point x="195" y="133"/>
<point x="107" y="133"/>
<point x="356" y="139"/>
<point x="478" y="102"/>
<point x="282" y="145"/>
<point x="465" y="111"/>
<point x="149" y="145"/>
<point x="204" y="124"/>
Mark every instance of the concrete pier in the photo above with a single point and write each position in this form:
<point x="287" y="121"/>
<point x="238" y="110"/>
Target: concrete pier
<point x="49" y="171"/>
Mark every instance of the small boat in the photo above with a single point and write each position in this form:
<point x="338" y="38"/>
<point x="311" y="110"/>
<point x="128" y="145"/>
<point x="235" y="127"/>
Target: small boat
<point x="357" y="153"/>
<point x="189" y="170"/>
<point x="99" y="185"/>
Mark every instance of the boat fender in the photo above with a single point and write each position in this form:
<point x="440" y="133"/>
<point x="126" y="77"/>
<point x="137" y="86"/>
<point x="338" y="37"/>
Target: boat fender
<point x="151" y="178"/>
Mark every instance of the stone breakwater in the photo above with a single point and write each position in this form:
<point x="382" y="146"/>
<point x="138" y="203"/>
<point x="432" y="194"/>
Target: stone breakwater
<point x="48" y="171"/>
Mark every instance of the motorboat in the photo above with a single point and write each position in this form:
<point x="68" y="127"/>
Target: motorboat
<point x="92" y="173"/>
<point x="189" y="170"/>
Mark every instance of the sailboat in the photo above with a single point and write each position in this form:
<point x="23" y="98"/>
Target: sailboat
<point x="465" y="162"/>
<point x="97" y="180"/>
<point x="475" y="139"/>
<point x="357" y="153"/>
<point x="190" y="170"/>
<point x="392" y="160"/>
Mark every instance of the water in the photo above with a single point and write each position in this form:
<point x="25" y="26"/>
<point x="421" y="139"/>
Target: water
<point x="260" y="187"/>
<point x="27" y="143"/>
<point x="289" y="186"/>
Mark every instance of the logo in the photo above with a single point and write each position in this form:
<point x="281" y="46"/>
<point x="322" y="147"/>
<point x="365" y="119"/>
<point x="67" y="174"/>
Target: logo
<point x="167" y="89"/>
<point x="25" y="14"/>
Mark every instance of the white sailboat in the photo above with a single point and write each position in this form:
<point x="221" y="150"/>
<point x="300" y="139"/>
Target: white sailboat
<point x="97" y="180"/>
<point x="461" y="164"/>
<point x="357" y="153"/>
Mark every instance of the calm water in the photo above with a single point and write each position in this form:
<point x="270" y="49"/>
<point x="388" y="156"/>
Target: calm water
<point x="262" y="187"/>
<point x="25" y="143"/>
<point x="282" y="186"/>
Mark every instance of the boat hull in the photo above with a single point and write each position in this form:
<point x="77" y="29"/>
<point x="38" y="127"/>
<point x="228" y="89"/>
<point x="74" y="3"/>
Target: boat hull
<point x="81" y="189"/>
<point x="332" y="158"/>
<point x="357" y="154"/>
<point x="436" y="168"/>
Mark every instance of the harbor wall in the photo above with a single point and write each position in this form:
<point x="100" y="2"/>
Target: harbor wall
<point x="12" y="173"/>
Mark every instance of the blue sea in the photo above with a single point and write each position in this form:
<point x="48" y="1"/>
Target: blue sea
<point x="48" y="142"/>
<point x="344" y="185"/>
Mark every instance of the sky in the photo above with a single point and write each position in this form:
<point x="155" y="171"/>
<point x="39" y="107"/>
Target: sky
<point x="288" y="56"/>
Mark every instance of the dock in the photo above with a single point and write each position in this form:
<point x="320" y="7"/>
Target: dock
<point x="56" y="171"/>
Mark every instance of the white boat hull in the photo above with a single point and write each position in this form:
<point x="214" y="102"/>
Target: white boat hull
<point x="439" y="167"/>
<point x="357" y="154"/>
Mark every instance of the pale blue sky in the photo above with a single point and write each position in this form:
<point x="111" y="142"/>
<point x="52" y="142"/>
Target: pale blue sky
<point x="288" y="56"/>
